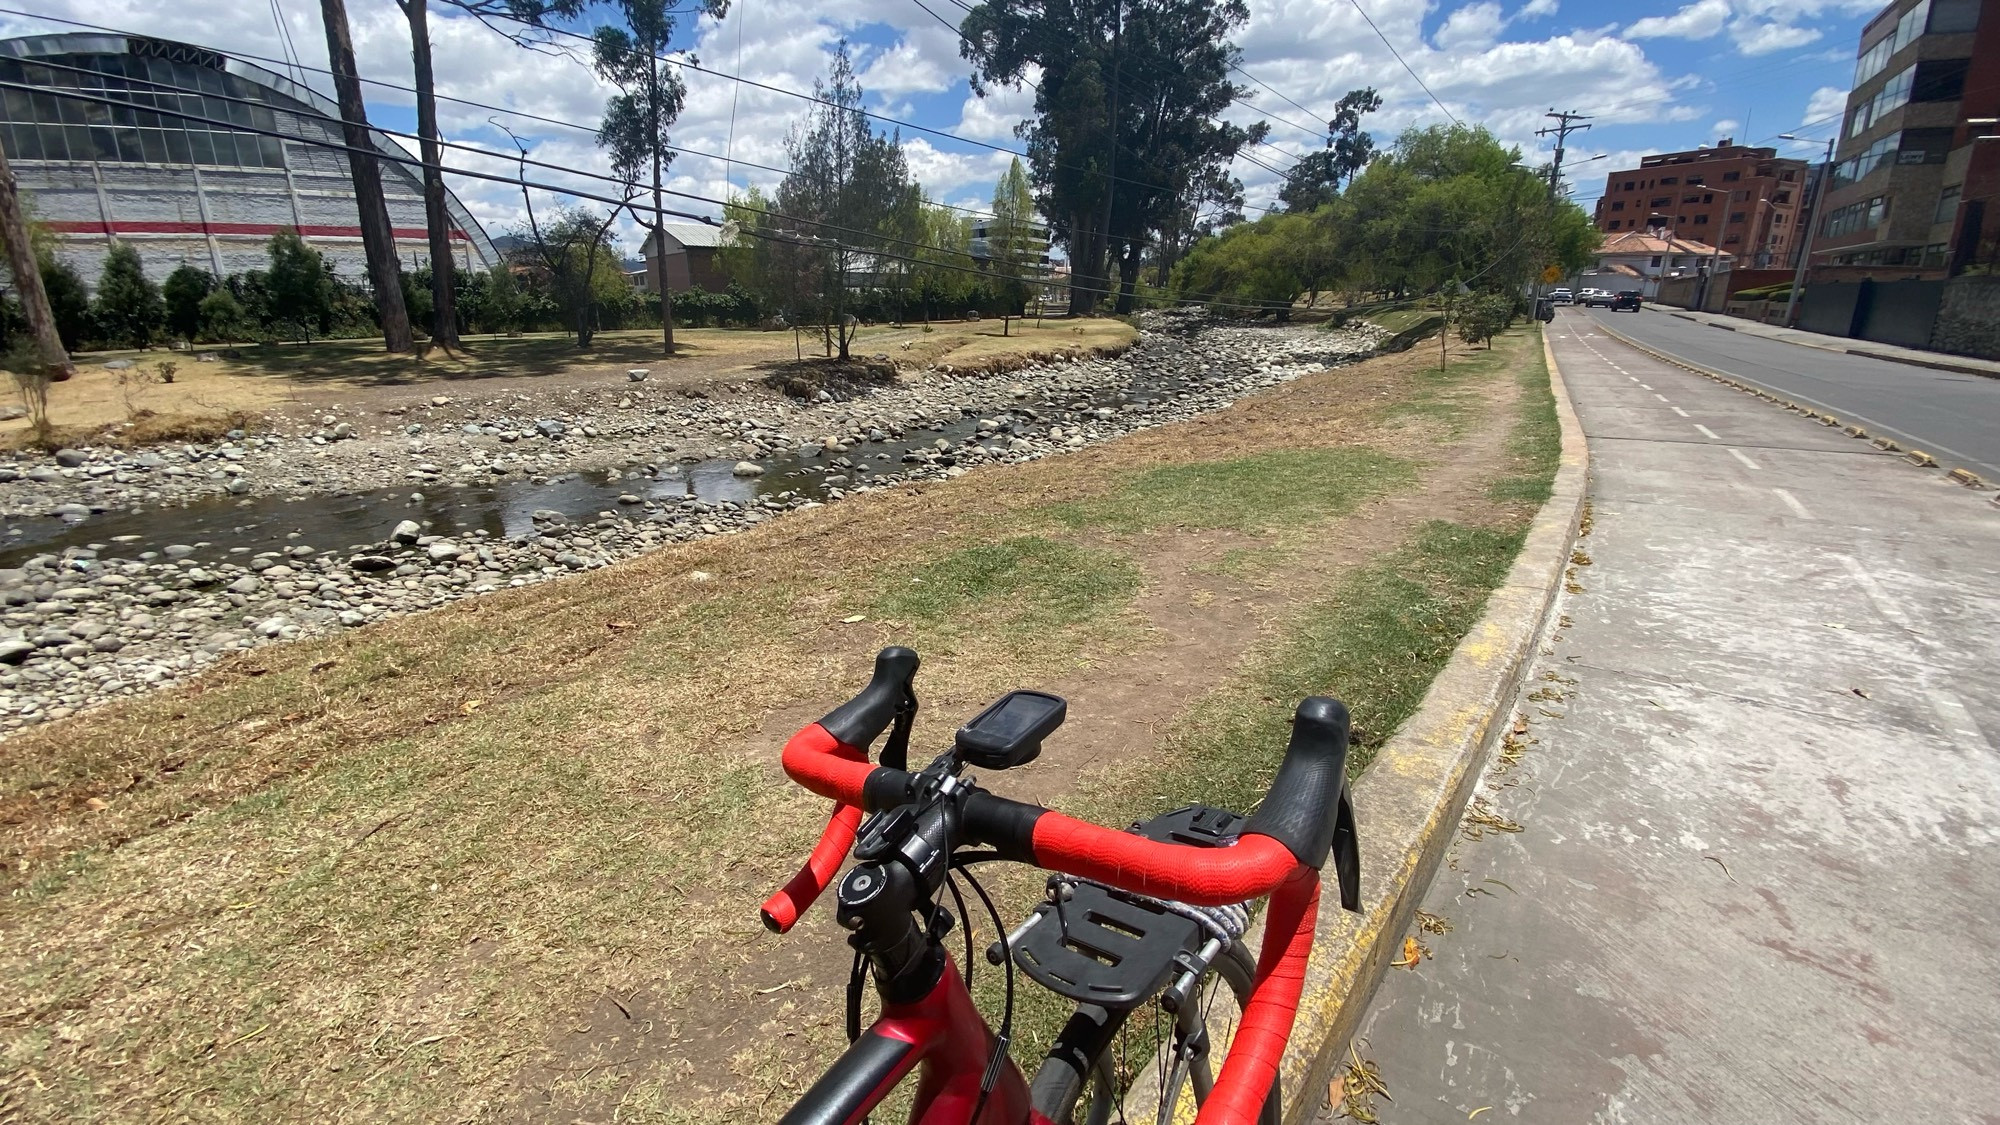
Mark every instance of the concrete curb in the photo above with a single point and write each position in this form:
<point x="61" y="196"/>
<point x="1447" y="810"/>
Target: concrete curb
<point x="1916" y="457"/>
<point x="1408" y="803"/>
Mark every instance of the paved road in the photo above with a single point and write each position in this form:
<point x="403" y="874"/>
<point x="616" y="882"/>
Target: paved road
<point x="1759" y="849"/>
<point x="1953" y="416"/>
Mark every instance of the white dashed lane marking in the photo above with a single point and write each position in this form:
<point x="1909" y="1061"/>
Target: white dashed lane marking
<point x="1737" y="453"/>
<point x="1713" y="436"/>
<point x="1792" y="502"/>
<point x="1680" y="412"/>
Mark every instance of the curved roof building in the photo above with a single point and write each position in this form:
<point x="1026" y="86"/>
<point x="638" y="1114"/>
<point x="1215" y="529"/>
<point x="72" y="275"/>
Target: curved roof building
<point x="184" y="191"/>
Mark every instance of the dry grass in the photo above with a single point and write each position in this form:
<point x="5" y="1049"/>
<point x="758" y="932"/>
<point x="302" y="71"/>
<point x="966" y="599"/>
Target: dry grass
<point x="206" y="399"/>
<point x="424" y="870"/>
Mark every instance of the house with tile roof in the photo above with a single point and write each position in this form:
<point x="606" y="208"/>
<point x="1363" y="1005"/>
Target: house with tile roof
<point x="1642" y="260"/>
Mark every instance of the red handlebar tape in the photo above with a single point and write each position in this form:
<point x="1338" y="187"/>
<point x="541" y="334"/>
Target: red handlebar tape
<point x="782" y="910"/>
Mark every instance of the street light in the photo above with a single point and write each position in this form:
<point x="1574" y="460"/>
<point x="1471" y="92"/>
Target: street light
<point x="1812" y="222"/>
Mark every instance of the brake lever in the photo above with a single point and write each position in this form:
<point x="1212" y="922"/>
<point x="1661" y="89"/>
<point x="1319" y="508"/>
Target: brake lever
<point x="1347" y="853"/>
<point x="896" y="750"/>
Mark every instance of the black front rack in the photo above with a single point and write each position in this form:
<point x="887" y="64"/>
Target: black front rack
<point x="1098" y="946"/>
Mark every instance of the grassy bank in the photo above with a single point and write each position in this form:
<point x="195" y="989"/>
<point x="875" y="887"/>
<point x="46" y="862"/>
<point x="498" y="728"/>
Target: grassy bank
<point x="503" y="859"/>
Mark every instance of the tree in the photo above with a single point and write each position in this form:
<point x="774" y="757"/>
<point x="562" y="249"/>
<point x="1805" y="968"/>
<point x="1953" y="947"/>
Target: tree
<point x="1317" y="177"/>
<point x="69" y="302"/>
<point x="1253" y="268"/>
<point x="847" y="186"/>
<point x="182" y="294"/>
<point x="1127" y="131"/>
<point x="437" y="218"/>
<point x="1013" y="243"/>
<point x="377" y="237"/>
<point x="1482" y="316"/>
<point x="578" y="263"/>
<point x="299" y="292"/>
<point x="24" y="259"/>
<point x="638" y="117"/>
<point x="221" y="317"/>
<point x="127" y="310"/>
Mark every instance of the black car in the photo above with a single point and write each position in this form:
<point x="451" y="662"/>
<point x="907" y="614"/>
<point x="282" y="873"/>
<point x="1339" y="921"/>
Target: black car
<point x="1626" y="299"/>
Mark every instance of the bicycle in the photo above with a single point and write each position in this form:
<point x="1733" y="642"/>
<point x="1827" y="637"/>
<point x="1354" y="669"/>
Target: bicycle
<point x="1148" y="916"/>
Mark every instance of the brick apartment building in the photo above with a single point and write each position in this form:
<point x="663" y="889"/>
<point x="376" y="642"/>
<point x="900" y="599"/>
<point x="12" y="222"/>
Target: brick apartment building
<point x="1912" y="183"/>
<point x="1745" y="200"/>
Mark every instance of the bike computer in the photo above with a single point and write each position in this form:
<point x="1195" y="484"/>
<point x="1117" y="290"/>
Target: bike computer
<point x="1010" y="732"/>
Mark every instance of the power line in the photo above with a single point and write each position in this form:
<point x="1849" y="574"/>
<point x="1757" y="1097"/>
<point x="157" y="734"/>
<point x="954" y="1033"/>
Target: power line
<point x="1238" y="68"/>
<point x="1406" y="65"/>
<point x="618" y="203"/>
<point x="1562" y="130"/>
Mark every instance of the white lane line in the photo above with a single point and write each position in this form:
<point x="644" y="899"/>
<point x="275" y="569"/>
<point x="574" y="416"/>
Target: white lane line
<point x="1957" y="722"/>
<point x="1659" y="396"/>
<point x="1792" y="502"/>
<point x="1680" y="412"/>
<point x="1634" y="378"/>
<point x="1884" y="604"/>
<point x="1644" y="386"/>
<point x="1747" y="462"/>
<point x="1713" y="436"/>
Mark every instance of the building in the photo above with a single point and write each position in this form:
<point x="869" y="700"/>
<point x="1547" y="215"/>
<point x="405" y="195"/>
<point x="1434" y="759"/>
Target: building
<point x="691" y="260"/>
<point x="1898" y="204"/>
<point x="1649" y="260"/>
<point x="195" y="191"/>
<point x="1745" y="200"/>
<point x="1033" y="237"/>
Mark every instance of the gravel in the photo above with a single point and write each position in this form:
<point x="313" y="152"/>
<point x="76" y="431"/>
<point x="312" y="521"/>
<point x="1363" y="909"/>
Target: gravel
<point x="88" y="625"/>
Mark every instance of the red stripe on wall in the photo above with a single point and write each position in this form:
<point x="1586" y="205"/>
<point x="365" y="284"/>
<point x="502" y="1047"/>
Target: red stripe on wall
<point x="230" y="228"/>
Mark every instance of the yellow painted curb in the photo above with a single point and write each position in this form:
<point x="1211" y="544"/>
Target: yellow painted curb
<point x="1408" y="803"/>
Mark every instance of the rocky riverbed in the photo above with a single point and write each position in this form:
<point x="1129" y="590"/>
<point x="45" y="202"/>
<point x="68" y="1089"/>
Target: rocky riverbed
<point x="91" y="619"/>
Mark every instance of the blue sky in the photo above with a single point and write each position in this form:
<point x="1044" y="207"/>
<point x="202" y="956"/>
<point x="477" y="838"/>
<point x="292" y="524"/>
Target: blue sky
<point x="1658" y="75"/>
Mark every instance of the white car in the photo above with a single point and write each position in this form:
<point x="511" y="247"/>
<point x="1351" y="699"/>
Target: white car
<point x="1562" y="296"/>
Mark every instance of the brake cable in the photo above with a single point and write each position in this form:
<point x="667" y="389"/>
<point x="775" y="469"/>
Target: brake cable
<point x="999" y="1056"/>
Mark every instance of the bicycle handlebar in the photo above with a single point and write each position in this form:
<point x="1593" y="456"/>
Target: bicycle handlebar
<point x="1279" y="853"/>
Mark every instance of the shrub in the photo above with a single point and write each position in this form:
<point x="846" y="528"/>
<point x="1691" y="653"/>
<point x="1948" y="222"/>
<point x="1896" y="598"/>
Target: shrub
<point x="128" y="310"/>
<point x="182" y="295"/>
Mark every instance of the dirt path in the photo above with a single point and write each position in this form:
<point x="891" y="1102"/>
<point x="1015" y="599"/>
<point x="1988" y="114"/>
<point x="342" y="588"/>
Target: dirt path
<point x="768" y="1014"/>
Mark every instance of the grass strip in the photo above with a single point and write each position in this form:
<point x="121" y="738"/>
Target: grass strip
<point x="1254" y="495"/>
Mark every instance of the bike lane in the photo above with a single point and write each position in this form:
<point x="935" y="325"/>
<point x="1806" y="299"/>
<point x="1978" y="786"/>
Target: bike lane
<point x="1758" y="802"/>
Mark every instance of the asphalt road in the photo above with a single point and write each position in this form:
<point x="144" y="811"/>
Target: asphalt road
<point x="1953" y="417"/>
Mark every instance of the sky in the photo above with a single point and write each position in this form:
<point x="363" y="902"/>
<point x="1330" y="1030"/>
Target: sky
<point x="1655" y="76"/>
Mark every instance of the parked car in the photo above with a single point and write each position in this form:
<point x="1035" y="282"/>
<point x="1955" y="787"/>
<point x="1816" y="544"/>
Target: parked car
<point x="1562" y="296"/>
<point x="1627" y="299"/>
<point x="1599" y="298"/>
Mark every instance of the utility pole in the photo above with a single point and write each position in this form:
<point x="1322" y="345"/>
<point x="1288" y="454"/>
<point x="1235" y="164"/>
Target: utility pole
<point x="28" y="278"/>
<point x="1820" y="186"/>
<point x="1562" y="129"/>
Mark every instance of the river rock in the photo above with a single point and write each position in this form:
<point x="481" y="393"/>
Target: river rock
<point x="14" y="650"/>
<point x="74" y="513"/>
<point x="341" y="432"/>
<point x="550" y="427"/>
<point x="246" y="585"/>
<point x="443" y="549"/>
<point x="409" y="531"/>
<point x="548" y="517"/>
<point x="748" y="469"/>
<point x="237" y="486"/>
<point x="372" y="563"/>
<point x="71" y="458"/>
<point x="638" y="374"/>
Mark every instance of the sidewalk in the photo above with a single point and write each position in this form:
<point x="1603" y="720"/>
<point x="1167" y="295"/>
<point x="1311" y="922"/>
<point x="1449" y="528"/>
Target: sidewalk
<point x="1942" y="361"/>
<point x="1743" y="869"/>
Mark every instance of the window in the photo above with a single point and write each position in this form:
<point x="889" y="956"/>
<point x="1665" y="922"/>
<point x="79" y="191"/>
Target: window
<point x="1923" y="146"/>
<point x="1782" y="197"/>
<point x="1662" y="201"/>
<point x="1618" y="205"/>
<point x="1948" y="16"/>
<point x="1614" y="224"/>
<point x="1947" y="205"/>
<point x="1939" y="80"/>
<point x="1731" y="239"/>
<point x="1669" y="181"/>
<point x="1785" y="176"/>
<point x="1656" y="261"/>
<point x="1701" y="220"/>
<point x="1708" y="197"/>
<point x="1893" y="95"/>
<point x="1874" y="58"/>
<point x="1696" y="181"/>
<point x="1676" y="262"/>
<point x="1912" y="25"/>
<point x="1736" y="216"/>
<point x="1867" y="160"/>
<point x="1731" y="177"/>
<point x="1629" y="185"/>
<point x="1863" y="216"/>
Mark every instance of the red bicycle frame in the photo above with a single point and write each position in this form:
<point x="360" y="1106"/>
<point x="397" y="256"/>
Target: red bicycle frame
<point x="945" y="1036"/>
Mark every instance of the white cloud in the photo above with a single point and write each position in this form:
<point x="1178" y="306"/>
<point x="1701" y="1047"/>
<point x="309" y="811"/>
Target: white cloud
<point x="1702" y="19"/>
<point x="1827" y="101"/>
<point x="1726" y="127"/>
<point x="1474" y="25"/>
<point x="1536" y="9"/>
<point x="1763" y="38"/>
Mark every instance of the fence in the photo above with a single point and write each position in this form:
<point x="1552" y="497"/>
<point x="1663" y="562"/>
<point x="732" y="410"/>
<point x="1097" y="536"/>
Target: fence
<point x="1961" y="316"/>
